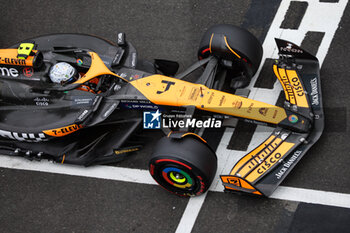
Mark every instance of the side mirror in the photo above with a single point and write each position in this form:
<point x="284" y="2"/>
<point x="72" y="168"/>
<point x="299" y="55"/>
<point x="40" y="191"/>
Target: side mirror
<point x="168" y="68"/>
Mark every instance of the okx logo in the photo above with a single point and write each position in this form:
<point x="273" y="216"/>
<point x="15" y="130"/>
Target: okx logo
<point x="151" y="120"/>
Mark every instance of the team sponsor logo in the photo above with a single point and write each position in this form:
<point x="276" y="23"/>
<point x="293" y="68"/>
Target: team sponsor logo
<point x="314" y="92"/>
<point x="59" y="132"/>
<point x="79" y="62"/>
<point x="297" y="86"/>
<point x="41" y="101"/>
<point x="237" y="104"/>
<point x="269" y="162"/>
<point x="263" y="111"/>
<point x="262" y="155"/>
<point x="288" y="87"/>
<point x="82" y="101"/>
<point x="194" y="93"/>
<point x="235" y="181"/>
<point x="83" y="115"/>
<point x="9" y="72"/>
<point x="222" y="100"/>
<point x="110" y="110"/>
<point x="287" y="165"/>
<point x="26" y="137"/>
<point x="138" y="104"/>
<point x="28" y="72"/>
<point x="123" y="151"/>
<point x="168" y="85"/>
<point x="275" y="114"/>
<point x="13" y="61"/>
<point x="250" y="108"/>
<point x="293" y="119"/>
<point x="289" y="48"/>
<point x="183" y="91"/>
<point x="211" y="98"/>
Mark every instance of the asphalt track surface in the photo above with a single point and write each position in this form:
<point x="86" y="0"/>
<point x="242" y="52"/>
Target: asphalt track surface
<point x="34" y="201"/>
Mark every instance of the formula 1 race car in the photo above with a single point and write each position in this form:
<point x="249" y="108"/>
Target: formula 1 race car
<point x="80" y="99"/>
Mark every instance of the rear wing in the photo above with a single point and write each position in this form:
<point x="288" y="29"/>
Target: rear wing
<point x="264" y="168"/>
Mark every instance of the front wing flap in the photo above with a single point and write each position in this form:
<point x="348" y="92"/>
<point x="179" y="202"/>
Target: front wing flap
<point x="264" y="168"/>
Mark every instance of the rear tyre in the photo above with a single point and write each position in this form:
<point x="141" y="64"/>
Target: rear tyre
<point x="184" y="166"/>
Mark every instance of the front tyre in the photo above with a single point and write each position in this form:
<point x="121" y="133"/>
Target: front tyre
<point x="184" y="166"/>
<point x="232" y="43"/>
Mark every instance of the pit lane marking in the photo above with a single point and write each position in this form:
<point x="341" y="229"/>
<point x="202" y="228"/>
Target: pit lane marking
<point x="190" y="214"/>
<point x="98" y="171"/>
<point x="143" y="177"/>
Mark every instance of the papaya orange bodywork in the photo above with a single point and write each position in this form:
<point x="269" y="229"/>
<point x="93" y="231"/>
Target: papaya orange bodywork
<point x="162" y="90"/>
<point x="9" y="57"/>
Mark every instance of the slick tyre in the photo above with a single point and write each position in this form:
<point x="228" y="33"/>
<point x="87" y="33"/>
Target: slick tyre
<point x="232" y="43"/>
<point x="184" y="166"/>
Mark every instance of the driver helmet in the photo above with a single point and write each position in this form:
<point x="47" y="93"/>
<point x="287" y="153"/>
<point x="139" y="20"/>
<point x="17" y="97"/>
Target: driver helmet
<point x="63" y="73"/>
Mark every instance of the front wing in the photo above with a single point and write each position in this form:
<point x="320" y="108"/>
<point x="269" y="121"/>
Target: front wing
<point x="264" y="168"/>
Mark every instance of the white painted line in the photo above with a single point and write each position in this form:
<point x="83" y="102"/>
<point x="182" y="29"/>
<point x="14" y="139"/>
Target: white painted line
<point x="308" y="196"/>
<point x="315" y="20"/>
<point x="100" y="172"/>
<point x="224" y="156"/>
<point x="143" y="177"/>
<point x="194" y="205"/>
<point x="312" y="196"/>
<point x="190" y="214"/>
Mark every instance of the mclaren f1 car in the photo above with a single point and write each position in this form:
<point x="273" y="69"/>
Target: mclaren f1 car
<point x="80" y="99"/>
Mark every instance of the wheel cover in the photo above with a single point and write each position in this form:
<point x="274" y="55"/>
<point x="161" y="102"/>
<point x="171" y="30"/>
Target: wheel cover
<point x="177" y="177"/>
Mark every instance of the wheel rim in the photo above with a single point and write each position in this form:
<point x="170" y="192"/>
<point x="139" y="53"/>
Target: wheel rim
<point x="177" y="177"/>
